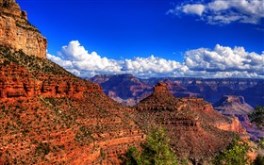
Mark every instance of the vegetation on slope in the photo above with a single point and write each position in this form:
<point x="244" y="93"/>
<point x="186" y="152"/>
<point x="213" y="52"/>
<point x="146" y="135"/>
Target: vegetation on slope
<point x="155" y="151"/>
<point x="54" y="126"/>
<point x="33" y="64"/>
<point x="259" y="160"/>
<point x="261" y="143"/>
<point x="257" y="116"/>
<point x="235" y="154"/>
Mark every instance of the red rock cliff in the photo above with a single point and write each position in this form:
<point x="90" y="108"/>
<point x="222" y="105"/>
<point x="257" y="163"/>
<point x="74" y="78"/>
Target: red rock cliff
<point x="195" y="129"/>
<point x="49" y="116"/>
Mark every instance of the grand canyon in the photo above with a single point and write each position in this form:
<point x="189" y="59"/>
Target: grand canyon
<point x="51" y="116"/>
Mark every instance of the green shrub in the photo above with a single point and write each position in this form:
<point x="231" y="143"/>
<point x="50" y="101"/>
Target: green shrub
<point x="34" y="64"/>
<point x="132" y="157"/>
<point x="259" y="160"/>
<point x="261" y="143"/>
<point x="235" y="154"/>
<point x="257" y="116"/>
<point x="156" y="151"/>
<point x="83" y="136"/>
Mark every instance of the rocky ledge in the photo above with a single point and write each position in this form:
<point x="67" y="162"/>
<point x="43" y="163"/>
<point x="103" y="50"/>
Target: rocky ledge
<point x="16" y="32"/>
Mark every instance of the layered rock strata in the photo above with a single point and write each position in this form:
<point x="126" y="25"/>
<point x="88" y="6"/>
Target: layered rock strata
<point x="196" y="131"/>
<point x="16" y="32"/>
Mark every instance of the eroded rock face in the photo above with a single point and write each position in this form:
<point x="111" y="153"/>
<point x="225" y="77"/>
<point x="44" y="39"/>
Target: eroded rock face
<point x="234" y="126"/>
<point x="195" y="129"/>
<point x="17" y="82"/>
<point x="236" y="107"/>
<point x="49" y="118"/>
<point x="161" y="89"/>
<point x="11" y="7"/>
<point x="17" y="33"/>
<point x="233" y="105"/>
<point x="47" y="115"/>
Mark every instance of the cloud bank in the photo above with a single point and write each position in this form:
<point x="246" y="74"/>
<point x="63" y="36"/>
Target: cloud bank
<point x="217" y="63"/>
<point x="223" y="11"/>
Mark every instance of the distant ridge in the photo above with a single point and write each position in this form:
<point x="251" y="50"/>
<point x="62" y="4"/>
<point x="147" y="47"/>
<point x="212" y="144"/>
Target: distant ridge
<point x="212" y="90"/>
<point x="233" y="105"/>
<point x="236" y="106"/>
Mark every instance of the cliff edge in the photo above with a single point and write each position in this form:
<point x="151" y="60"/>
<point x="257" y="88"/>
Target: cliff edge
<point x="17" y="33"/>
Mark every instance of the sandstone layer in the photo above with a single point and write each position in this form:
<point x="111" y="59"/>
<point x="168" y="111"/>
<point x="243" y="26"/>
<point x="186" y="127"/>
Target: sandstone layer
<point x="236" y="106"/>
<point x="49" y="116"/>
<point x="16" y="32"/>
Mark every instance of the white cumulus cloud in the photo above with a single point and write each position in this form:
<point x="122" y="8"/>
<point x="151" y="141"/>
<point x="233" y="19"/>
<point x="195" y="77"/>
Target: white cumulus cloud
<point x="76" y="59"/>
<point x="224" y="11"/>
<point x="203" y="62"/>
<point x="151" y="66"/>
<point x="225" y="62"/>
<point x="193" y="9"/>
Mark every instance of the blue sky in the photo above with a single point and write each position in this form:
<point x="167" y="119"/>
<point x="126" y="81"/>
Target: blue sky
<point x="130" y="29"/>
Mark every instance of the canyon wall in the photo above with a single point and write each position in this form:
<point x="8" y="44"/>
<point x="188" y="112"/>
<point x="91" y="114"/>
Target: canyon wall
<point x="16" y="82"/>
<point x="17" y="33"/>
<point x="49" y="116"/>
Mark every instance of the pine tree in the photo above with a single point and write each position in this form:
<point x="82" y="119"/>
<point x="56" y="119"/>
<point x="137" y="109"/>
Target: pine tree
<point x="155" y="151"/>
<point x="235" y="154"/>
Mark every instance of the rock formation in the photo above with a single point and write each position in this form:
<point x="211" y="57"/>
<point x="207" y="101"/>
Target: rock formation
<point x="196" y="131"/>
<point x="128" y="87"/>
<point x="235" y="106"/>
<point x="124" y="88"/>
<point x="17" y="33"/>
<point x="19" y="84"/>
<point x="47" y="115"/>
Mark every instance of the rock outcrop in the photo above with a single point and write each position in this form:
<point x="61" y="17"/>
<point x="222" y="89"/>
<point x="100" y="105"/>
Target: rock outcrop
<point x="233" y="105"/>
<point x="19" y="83"/>
<point x="48" y="116"/>
<point x="128" y="87"/>
<point x="236" y="107"/>
<point x="196" y="131"/>
<point x="124" y="88"/>
<point x="17" y="33"/>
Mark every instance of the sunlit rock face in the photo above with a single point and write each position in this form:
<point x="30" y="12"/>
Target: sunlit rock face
<point x="48" y="115"/>
<point x="17" y="33"/>
<point x="236" y="106"/>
